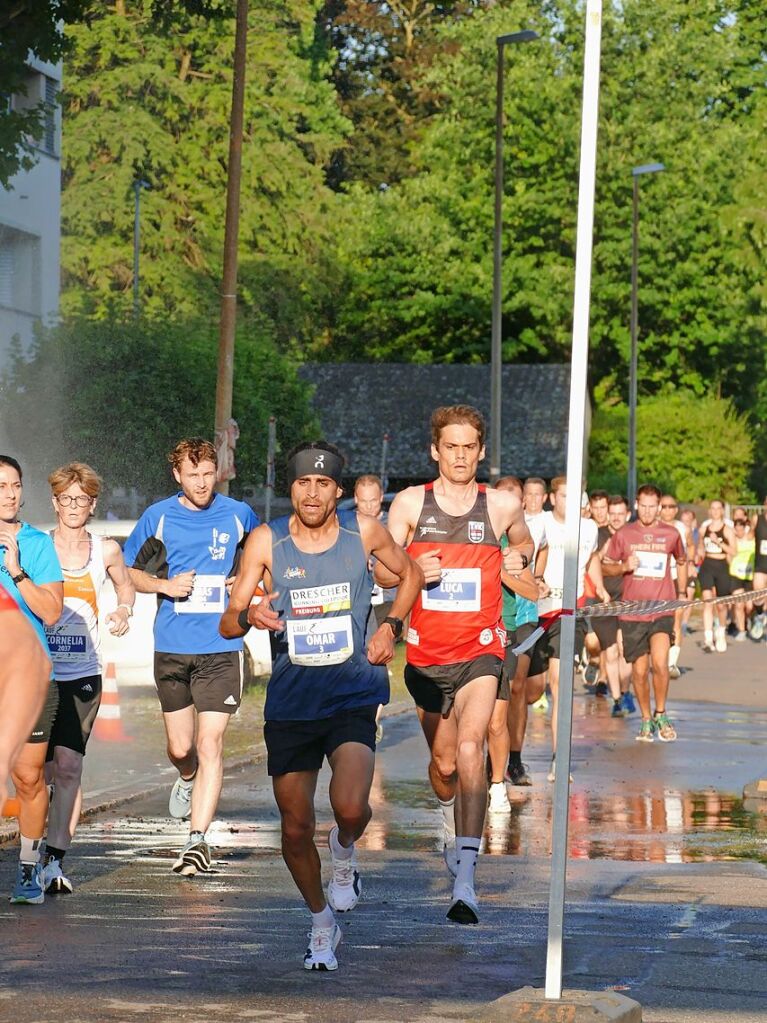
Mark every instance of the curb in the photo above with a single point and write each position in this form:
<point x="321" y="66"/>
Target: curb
<point x="529" y="1004"/>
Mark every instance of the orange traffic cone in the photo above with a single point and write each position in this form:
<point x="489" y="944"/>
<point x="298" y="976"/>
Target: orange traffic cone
<point x="11" y="808"/>
<point x="108" y="724"/>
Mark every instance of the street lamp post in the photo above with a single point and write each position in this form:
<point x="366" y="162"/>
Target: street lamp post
<point x="636" y="173"/>
<point x="525" y="36"/>
<point x="138" y="184"/>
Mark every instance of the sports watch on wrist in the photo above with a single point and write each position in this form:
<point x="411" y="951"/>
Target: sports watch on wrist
<point x="396" y="625"/>
<point x="20" y="577"/>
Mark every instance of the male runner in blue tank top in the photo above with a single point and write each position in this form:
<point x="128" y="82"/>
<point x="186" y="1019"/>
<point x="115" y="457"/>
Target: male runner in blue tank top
<point x="184" y="549"/>
<point x="328" y="672"/>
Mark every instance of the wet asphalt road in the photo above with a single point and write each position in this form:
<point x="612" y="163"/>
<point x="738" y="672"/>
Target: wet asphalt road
<point x="667" y="897"/>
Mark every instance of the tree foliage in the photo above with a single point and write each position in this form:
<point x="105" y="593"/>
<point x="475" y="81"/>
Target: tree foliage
<point x="150" y="102"/>
<point x="119" y="395"/>
<point x="695" y="447"/>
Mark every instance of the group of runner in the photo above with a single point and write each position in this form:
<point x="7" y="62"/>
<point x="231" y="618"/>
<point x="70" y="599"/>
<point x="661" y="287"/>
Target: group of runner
<point x="476" y="572"/>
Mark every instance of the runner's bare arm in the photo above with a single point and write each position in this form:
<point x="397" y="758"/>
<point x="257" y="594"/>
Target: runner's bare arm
<point x="124" y="588"/>
<point x="402" y="522"/>
<point x="180" y="585"/>
<point x="46" y="600"/>
<point x="254" y="565"/>
<point x="409" y="577"/>
<point x="524" y="585"/>
<point x="507" y="516"/>
<point x="594" y="569"/>
<point x="730" y="545"/>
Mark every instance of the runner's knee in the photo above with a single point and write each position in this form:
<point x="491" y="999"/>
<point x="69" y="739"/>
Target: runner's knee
<point x="210" y="748"/>
<point x="68" y="766"/>
<point x="468" y="753"/>
<point x="444" y="766"/>
<point x="29" y="780"/>
<point x="297" y="831"/>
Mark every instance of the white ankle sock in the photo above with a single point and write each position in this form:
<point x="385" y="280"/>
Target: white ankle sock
<point x="340" y="852"/>
<point x="324" y="918"/>
<point x="673" y="655"/>
<point x="30" y="850"/>
<point x="448" y="818"/>
<point x="468" y="850"/>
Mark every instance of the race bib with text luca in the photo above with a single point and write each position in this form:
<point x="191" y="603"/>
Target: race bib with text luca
<point x="320" y="641"/>
<point x="459" y="589"/>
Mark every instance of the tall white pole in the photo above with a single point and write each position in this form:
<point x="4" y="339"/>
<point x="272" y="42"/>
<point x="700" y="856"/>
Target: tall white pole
<point x="575" y="444"/>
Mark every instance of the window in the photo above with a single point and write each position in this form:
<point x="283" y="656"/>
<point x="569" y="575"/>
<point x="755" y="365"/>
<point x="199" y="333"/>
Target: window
<point x="20" y="271"/>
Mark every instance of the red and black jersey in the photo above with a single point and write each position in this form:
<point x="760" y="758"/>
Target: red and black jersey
<point x="458" y="618"/>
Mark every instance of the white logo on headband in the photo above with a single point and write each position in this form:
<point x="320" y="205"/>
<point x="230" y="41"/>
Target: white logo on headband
<point x="319" y="462"/>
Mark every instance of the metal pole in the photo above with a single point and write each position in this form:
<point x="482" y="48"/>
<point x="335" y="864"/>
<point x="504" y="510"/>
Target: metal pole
<point x="270" y="453"/>
<point x="632" y="474"/>
<point x="384" y="454"/>
<point x="575" y="436"/>
<point x="231" y="231"/>
<point x="136" y="232"/>
<point x="496" y="355"/>
<point x="496" y="366"/>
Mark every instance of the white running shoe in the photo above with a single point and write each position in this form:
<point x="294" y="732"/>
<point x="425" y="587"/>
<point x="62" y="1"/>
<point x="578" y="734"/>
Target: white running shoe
<point x="345" y="886"/>
<point x="180" y="802"/>
<point x="552" y="775"/>
<point x="321" y="951"/>
<point x="499" y="801"/>
<point x="54" y="881"/>
<point x="464" y="908"/>
<point x="757" y="627"/>
<point x="720" y="641"/>
<point x="674" y="671"/>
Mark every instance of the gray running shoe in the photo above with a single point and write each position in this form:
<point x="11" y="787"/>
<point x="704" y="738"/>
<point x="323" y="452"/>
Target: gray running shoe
<point x="180" y="802"/>
<point x="29" y="885"/>
<point x="54" y="880"/>
<point x="194" y="858"/>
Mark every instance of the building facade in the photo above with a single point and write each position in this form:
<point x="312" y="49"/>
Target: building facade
<point x="30" y="221"/>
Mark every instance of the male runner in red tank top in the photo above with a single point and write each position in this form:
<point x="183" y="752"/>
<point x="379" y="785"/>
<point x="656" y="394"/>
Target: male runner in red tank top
<point x="455" y="643"/>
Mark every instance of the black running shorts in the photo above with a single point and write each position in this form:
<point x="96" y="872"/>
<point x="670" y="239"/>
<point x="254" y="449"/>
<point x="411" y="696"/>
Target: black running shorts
<point x="44" y="724"/>
<point x="204" y="681"/>
<point x="79" y="701"/>
<point x="714" y="574"/>
<point x="434" y="687"/>
<point x="538" y="660"/>
<point x="606" y="630"/>
<point x="551" y="641"/>
<point x="302" y="745"/>
<point x="636" y="635"/>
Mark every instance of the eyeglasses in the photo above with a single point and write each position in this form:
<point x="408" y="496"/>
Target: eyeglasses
<point x="82" y="500"/>
<point x="740" y="522"/>
<point x="669" y="506"/>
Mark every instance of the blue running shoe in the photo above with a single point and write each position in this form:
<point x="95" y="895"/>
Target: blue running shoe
<point x="29" y="885"/>
<point x="627" y="700"/>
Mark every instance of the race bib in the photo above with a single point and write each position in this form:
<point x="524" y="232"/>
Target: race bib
<point x="651" y="565"/>
<point x="710" y="546"/>
<point x="69" y="645"/>
<point x="319" y="600"/>
<point x="459" y="589"/>
<point x="320" y="641"/>
<point x="207" y="597"/>
<point x="377" y="595"/>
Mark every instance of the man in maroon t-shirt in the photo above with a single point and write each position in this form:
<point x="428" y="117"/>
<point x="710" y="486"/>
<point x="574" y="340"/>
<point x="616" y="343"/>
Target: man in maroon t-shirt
<point x="642" y="551"/>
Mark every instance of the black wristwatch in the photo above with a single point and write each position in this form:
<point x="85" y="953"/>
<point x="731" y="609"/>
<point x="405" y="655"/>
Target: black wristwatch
<point x="396" y="625"/>
<point x="20" y="577"/>
<point x="525" y="561"/>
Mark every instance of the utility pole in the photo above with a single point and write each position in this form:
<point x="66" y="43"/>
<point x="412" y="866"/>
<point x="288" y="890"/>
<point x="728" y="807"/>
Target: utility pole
<point x="228" y="319"/>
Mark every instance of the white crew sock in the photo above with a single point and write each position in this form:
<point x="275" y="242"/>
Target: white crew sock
<point x="468" y="850"/>
<point x="340" y="852"/>
<point x="673" y="655"/>
<point x="30" y="850"/>
<point x="708" y="636"/>
<point x="324" y="918"/>
<point x="448" y="819"/>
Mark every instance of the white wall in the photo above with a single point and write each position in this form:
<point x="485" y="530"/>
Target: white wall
<point x="30" y="225"/>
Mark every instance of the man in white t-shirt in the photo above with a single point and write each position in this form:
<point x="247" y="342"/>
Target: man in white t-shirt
<point x="553" y="580"/>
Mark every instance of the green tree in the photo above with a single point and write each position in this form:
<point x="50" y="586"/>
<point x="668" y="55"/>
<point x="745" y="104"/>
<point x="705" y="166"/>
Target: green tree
<point x="695" y="446"/>
<point x="149" y="101"/>
<point x="119" y="395"/>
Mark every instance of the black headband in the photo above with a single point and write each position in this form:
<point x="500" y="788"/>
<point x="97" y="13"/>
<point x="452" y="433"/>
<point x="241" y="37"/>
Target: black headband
<point x="315" y="462"/>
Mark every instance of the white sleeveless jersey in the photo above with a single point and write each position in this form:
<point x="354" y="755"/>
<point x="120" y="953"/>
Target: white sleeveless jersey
<point x="74" y="641"/>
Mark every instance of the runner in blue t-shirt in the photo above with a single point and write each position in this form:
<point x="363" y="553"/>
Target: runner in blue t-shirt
<point x="184" y="549"/>
<point x="30" y="572"/>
